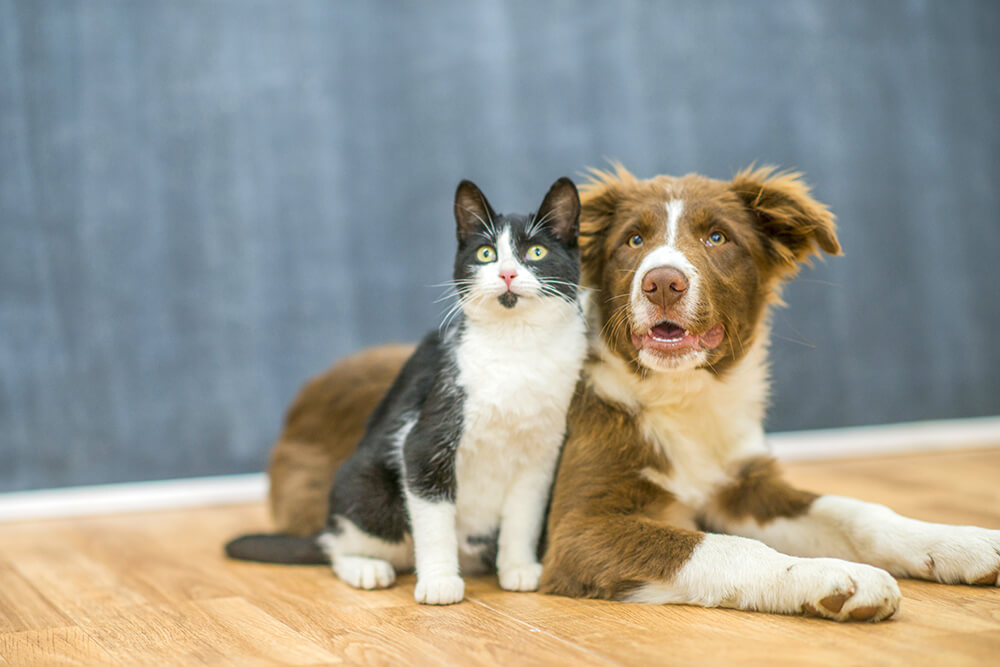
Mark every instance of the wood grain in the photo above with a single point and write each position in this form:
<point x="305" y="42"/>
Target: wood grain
<point x="154" y="589"/>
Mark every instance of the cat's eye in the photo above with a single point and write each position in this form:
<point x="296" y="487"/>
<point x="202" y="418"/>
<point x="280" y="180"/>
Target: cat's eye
<point x="635" y="241"/>
<point x="536" y="252"/>
<point x="486" y="254"/>
<point x="716" y="238"/>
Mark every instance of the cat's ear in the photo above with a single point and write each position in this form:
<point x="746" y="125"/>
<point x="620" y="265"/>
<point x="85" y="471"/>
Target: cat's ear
<point x="560" y="211"/>
<point x="472" y="211"/>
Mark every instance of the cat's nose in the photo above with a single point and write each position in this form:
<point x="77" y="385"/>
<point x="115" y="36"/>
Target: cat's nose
<point x="508" y="276"/>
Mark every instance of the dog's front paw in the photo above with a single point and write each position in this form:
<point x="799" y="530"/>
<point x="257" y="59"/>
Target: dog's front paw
<point x="964" y="555"/>
<point x="844" y="591"/>
<point x="439" y="590"/>
<point x="521" y="577"/>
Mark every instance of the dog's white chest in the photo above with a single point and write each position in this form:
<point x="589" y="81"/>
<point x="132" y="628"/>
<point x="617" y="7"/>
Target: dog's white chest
<point x="701" y="446"/>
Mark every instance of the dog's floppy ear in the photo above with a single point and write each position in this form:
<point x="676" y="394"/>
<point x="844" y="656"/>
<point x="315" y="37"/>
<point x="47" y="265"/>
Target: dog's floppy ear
<point x="796" y="225"/>
<point x="599" y="199"/>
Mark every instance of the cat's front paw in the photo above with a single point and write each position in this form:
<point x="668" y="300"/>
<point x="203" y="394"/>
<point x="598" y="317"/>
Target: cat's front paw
<point x="439" y="590"/>
<point x="521" y="577"/>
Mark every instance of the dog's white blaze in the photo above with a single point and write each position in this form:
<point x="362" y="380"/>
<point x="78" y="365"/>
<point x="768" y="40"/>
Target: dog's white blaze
<point x="667" y="254"/>
<point x="728" y="571"/>
<point x="675" y="208"/>
<point x="870" y="533"/>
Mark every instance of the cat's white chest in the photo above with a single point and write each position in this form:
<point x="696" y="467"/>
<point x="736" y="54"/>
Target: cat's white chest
<point x="518" y="383"/>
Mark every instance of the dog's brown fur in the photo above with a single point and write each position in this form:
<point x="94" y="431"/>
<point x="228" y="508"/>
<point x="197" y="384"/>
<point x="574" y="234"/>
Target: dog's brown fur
<point x="759" y="491"/>
<point x="322" y="427"/>
<point x="603" y="529"/>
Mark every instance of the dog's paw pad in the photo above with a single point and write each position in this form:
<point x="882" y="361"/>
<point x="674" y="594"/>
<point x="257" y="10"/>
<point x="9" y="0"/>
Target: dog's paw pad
<point x="866" y="613"/>
<point x="439" y="590"/>
<point x="520" y="577"/>
<point x="991" y="579"/>
<point x="836" y="602"/>
<point x="810" y="610"/>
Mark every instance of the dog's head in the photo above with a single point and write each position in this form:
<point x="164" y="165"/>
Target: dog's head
<point x="686" y="267"/>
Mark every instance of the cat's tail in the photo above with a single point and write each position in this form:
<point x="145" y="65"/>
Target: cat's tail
<point x="277" y="548"/>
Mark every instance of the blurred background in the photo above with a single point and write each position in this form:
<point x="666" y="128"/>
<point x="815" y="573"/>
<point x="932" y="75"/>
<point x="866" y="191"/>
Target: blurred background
<point x="203" y="203"/>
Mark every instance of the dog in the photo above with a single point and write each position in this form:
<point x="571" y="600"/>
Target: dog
<point x="666" y="491"/>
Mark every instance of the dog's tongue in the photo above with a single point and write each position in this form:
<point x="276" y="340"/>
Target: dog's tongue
<point x="674" y="334"/>
<point x="668" y="331"/>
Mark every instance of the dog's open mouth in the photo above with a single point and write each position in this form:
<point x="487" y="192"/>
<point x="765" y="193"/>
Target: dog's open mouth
<point x="670" y="337"/>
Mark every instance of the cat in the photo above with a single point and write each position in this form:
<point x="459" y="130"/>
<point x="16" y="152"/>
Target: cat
<point x="454" y="471"/>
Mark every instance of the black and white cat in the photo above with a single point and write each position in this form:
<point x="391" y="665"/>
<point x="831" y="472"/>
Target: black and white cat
<point x="454" y="471"/>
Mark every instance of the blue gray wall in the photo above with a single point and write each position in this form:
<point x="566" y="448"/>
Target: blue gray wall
<point x="203" y="203"/>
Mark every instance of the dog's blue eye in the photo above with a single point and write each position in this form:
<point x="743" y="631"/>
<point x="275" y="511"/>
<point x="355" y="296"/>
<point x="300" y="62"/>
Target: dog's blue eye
<point x="716" y="239"/>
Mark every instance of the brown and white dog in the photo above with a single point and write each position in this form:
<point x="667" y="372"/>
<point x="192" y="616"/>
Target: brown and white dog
<point x="665" y="438"/>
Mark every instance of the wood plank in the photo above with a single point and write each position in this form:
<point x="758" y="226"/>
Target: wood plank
<point x="79" y="587"/>
<point x="220" y="631"/>
<point x="22" y="607"/>
<point x="52" y="646"/>
<point x="466" y="633"/>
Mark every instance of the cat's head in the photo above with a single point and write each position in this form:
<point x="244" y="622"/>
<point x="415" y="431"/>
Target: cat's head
<point x="506" y="262"/>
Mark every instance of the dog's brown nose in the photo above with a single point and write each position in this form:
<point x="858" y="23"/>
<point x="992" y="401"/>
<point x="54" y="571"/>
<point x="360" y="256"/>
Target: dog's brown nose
<point x="664" y="286"/>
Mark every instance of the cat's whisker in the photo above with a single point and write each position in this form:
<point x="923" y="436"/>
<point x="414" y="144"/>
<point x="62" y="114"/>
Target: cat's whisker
<point x="536" y="224"/>
<point x="445" y="297"/>
<point x="488" y="225"/>
<point x="452" y="283"/>
<point x="486" y="209"/>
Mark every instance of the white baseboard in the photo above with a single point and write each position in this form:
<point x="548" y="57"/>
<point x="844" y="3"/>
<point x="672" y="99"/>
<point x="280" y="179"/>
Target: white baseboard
<point x="132" y="497"/>
<point x="907" y="438"/>
<point x="837" y="443"/>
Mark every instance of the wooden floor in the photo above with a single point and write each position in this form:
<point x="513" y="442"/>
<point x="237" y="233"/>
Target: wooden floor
<point x="154" y="589"/>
